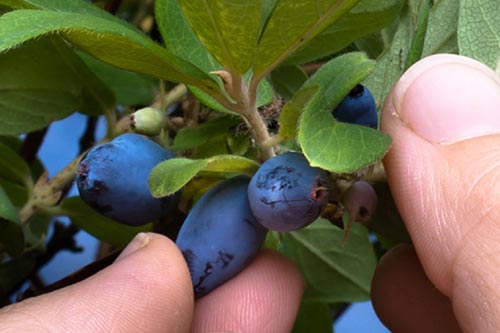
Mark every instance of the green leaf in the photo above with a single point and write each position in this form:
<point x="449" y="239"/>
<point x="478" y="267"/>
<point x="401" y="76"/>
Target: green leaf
<point x="70" y="6"/>
<point x="332" y="145"/>
<point x="289" y="116"/>
<point x="441" y="36"/>
<point x="292" y="25"/>
<point x="4" y="9"/>
<point x="129" y="88"/>
<point x="366" y="17"/>
<point x="191" y="137"/>
<point x="15" y="143"/>
<point x="389" y="67"/>
<point x="101" y="227"/>
<point x="16" y="4"/>
<point x="239" y="143"/>
<point x="267" y="9"/>
<point x="106" y="39"/>
<point x="333" y="273"/>
<point x="313" y="317"/>
<point x="286" y="80"/>
<point x="11" y="232"/>
<point x="338" y="76"/>
<point x="335" y="146"/>
<point x="387" y="222"/>
<point x="171" y="175"/>
<point x="179" y="37"/>
<point x="12" y="167"/>
<point x="417" y="42"/>
<point x="35" y="232"/>
<point x="479" y="31"/>
<point x="265" y="95"/>
<point x="18" y="193"/>
<point x="7" y="210"/>
<point x="373" y="45"/>
<point x="228" y="29"/>
<point x="14" y="272"/>
<point x="42" y="81"/>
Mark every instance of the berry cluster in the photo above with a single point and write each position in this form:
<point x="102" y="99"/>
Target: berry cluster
<point x="227" y="226"/>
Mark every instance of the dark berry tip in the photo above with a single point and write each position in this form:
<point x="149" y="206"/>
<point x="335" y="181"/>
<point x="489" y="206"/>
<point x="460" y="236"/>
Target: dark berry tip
<point x="357" y="91"/>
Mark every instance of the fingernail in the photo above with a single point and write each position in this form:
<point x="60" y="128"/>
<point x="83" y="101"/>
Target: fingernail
<point x="140" y="241"/>
<point x="449" y="98"/>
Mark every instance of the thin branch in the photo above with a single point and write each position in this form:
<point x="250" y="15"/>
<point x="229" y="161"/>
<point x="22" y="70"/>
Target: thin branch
<point x="112" y="6"/>
<point x="341" y="310"/>
<point x="87" y="139"/>
<point x="32" y="144"/>
<point x="78" y="276"/>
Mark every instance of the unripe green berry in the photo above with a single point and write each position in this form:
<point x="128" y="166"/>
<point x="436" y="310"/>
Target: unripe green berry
<point x="148" y="121"/>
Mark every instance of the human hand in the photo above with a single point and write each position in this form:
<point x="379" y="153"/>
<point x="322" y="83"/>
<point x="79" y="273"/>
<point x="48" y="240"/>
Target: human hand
<point x="148" y="289"/>
<point x="444" y="173"/>
<point x="443" y="169"/>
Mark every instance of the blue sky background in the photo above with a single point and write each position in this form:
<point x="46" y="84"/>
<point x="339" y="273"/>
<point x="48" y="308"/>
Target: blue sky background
<point x="61" y="147"/>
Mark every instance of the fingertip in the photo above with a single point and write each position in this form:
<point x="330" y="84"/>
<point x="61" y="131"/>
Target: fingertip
<point x="148" y="288"/>
<point x="264" y="297"/>
<point x="404" y="298"/>
<point x="441" y="115"/>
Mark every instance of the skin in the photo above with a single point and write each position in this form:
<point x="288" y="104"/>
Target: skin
<point x="443" y="171"/>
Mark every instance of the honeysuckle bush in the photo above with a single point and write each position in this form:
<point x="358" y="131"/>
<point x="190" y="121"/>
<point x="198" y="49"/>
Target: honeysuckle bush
<point x="252" y="78"/>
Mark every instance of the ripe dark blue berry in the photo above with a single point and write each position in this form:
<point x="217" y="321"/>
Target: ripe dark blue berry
<point x="286" y="193"/>
<point x="220" y="235"/>
<point x="358" y="107"/>
<point x="113" y="179"/>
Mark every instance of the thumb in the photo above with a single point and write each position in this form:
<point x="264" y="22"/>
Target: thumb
<point x="147" y="289"/>
<point x="444" y="173"/>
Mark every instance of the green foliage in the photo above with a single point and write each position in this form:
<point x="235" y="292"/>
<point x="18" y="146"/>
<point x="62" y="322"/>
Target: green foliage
<point x="129" y="88"/>
<point x="292" y="25"/>
<point x="192" y="137"/>
<point x="441" y="35"/>
<point x="12" y="166"/>
<point x="58" y="57"/>
<point x="366" y="17"/>
<point x="170" y="176"/>
<point x="290" y="114"/>
<point x="97" y="225"/>
<point x="179" y="37"/>
<point x="43" y="81"/>
<point x="14" y="272"/>
<point x="228" y="29"/>
<point x="418" y="40"/>
<point x="287" y="80"/>
<point x="333" y="273"/>
<point x="387" y="223"/>
<point x="332" y="145"/>
<point x="106" y="40"/>
<point x="11" y="233"/>
<point x="313" y="317"/>
<point x="479" y="31"/>
<point x="390" y="65"/>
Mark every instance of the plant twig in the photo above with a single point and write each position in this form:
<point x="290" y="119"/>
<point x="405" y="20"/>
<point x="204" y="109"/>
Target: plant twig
<point x="112" y="6"/>
<point x="78" y="276"/>
<point x="87" y="140"/>
<point x="32" y="144"/>
<point x="341" y="310"/>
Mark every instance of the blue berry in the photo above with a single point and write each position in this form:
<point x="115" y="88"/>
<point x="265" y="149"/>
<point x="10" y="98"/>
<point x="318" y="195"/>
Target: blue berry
<point x="220" y="235"/>
<point x="358" y="107"/>
<point x="113" y="179"/>
<point x="286" y="193"/>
